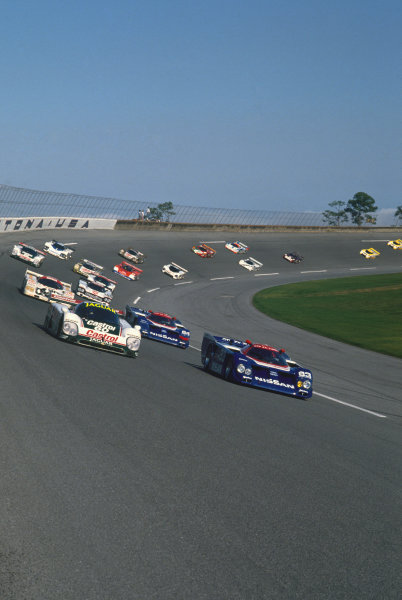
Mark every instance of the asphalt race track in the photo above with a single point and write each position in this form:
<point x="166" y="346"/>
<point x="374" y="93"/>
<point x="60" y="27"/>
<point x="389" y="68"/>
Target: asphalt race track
<point x="150" y="479"/>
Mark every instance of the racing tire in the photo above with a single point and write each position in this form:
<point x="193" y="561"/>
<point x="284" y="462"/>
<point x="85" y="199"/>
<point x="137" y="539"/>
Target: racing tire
<point x="227" y="369"/>
<point x="208" y="357"/>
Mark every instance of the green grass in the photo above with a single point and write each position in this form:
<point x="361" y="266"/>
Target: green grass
<point x="362" y="311"/>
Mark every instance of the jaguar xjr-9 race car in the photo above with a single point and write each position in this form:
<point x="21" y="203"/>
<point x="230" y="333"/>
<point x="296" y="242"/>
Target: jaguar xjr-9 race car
<point x="256" y="365"/>
<point x="95" y="325"/>
<point x="28" y="254"/>
<point x="158" y="326"/>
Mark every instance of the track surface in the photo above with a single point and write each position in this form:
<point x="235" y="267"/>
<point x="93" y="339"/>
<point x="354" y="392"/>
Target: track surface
<point x="151" y="479"/>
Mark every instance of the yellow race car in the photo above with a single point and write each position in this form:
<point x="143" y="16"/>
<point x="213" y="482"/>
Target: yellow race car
<point x="369" y="252"/>
<point x="395" y="244"/>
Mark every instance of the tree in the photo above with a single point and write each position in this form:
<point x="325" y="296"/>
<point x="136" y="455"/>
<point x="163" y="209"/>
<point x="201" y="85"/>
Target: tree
<point x="335" y="217"/>
<point x="359" y="208"/>
<point x="162" y="212"/>
<point x="398" y="213"/>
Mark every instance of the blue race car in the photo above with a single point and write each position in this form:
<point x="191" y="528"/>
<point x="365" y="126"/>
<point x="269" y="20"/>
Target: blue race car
<point x="158" y="326"/>
<point x="256" y="365"/>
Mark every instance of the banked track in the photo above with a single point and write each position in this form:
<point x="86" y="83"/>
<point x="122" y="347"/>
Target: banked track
<point x="151" y="479"/>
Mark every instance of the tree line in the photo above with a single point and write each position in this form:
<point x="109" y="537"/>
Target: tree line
<point x="359" y="210"/>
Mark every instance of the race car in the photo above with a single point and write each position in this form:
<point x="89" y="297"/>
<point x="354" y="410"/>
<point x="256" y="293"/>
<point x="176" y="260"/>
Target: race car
<point x="46" y="288"/>
<point x="250" y="263"/>
<point x="395" y="244"/>
<point x="134" y="255"/>
<point x="28" y="254"/>
<point x="236" y="247"/>
<point x="87" y="267"/>
<point x="204" y="251"/>
<point x="369" y="252"/>
<point x="255" y="365"/>
<point x="95" y="325"/>
<point x="99" y="279"/>
<point x="128" y="271"/>
<point x="57" y="249"/>
<point x="158" y="326"/>
<point x="174" y="270"/>
<point x="292" y="257"/>
<point x="94" y="291"/>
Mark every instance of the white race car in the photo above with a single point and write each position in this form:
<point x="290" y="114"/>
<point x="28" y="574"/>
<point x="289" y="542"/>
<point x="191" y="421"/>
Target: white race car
<point x="251" y="264"/>
<point x="57" y="249"/>
<point x="47" y="288"/>
<point x="395" y="244"/>
<point x="110" y="284"/>
<point x="236" y="247"/>
<point x="174" y="270"/>
<point x="93" y="291"/>
<point x="95" y="325"/>
<point x="28" y="254"/>
<point x="86" y="267"/>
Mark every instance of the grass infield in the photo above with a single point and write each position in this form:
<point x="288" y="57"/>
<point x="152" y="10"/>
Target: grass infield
<point x="362" y="311"/>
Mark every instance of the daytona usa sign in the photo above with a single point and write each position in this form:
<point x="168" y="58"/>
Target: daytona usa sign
<point x="34" y="223"/>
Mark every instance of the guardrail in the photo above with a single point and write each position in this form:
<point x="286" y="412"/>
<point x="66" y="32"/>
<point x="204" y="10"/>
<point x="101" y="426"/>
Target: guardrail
<point x="23" y="203"/>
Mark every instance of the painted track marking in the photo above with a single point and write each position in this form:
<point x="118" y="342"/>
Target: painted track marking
<point x="370" y="412"/>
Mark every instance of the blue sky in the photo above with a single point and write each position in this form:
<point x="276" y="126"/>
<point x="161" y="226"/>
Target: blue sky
<point x="274" y="105"/>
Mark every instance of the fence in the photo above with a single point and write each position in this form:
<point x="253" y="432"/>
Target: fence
<point x="19" y="203"/>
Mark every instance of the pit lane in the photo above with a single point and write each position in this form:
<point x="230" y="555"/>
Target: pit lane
<point x="152" y="479"/>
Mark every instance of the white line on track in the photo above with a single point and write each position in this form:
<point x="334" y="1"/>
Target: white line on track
<point x="216" y="278"/>
<point x="374" y="240"/>
<point x="153" y="290"/>
<point x="362" y="268"/>
<point x="183" y="283"/>
<point x="322" y="271"/>
<point x="262" y="274"/>
<point x="371" y="412"/>
<point x="136" y="300"/>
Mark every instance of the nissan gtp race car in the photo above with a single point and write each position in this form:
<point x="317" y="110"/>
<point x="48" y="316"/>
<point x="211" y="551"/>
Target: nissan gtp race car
<point x="395" y="244"/>
<point x="236" y="247"/>
<point x="57" y="249"/>
<point x="28" y="254"/>
<point x="292" y="257"/>
<point x="369" y="252"/>
<point x="47" y="288"/>
<point x="95" y="325"/>
<point x="158" y="326"/>
<point x="204" y="251"/>
<point x="86" y="267"/>
<point x="94" y="291"/>
<point x="251" y="264"/>
<point x="134" y="255"/>
<point x="128" y="271"/>
<point x="255" y="365"/>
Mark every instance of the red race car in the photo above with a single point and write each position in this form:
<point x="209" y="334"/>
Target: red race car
<point x="204" y="251"/>
<point x="128" y="271"/>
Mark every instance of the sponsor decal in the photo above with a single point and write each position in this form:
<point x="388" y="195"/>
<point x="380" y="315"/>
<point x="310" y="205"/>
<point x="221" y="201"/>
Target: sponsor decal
<point x="275" y="382"/>
<point x="305" y="374"/>
<point x="104" y="327"/>
<point x="163" y="336"/>
<point x="102" y="337"/>
<point x="99" y="306"/>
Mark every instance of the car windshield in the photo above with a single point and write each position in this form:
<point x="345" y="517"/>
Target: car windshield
<point x="87" y="265"/>
<point x="96" y="312"/>
<point x="58" y="246"/>
<point x="266" y="355"/>
<point x="95" y="286"/>
<point x="29" y="251"/>
<point x="173" y="268"/>
<point x="50" y="283"/>
<point x="162" y="319"/>
<point x="128" y="268"/>
<point x="101" y="280"/>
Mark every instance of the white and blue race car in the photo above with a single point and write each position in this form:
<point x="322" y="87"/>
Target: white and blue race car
<point x="58" y="249"/>
<point x="255" y="365"/>
<point x="158" y="326"/>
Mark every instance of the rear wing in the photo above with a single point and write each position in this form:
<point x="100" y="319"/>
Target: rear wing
<point x="208" y="248"/>
<point x="242" y="245"/>
<point x="179" y="267"/>
<point x="255" y="261"/>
